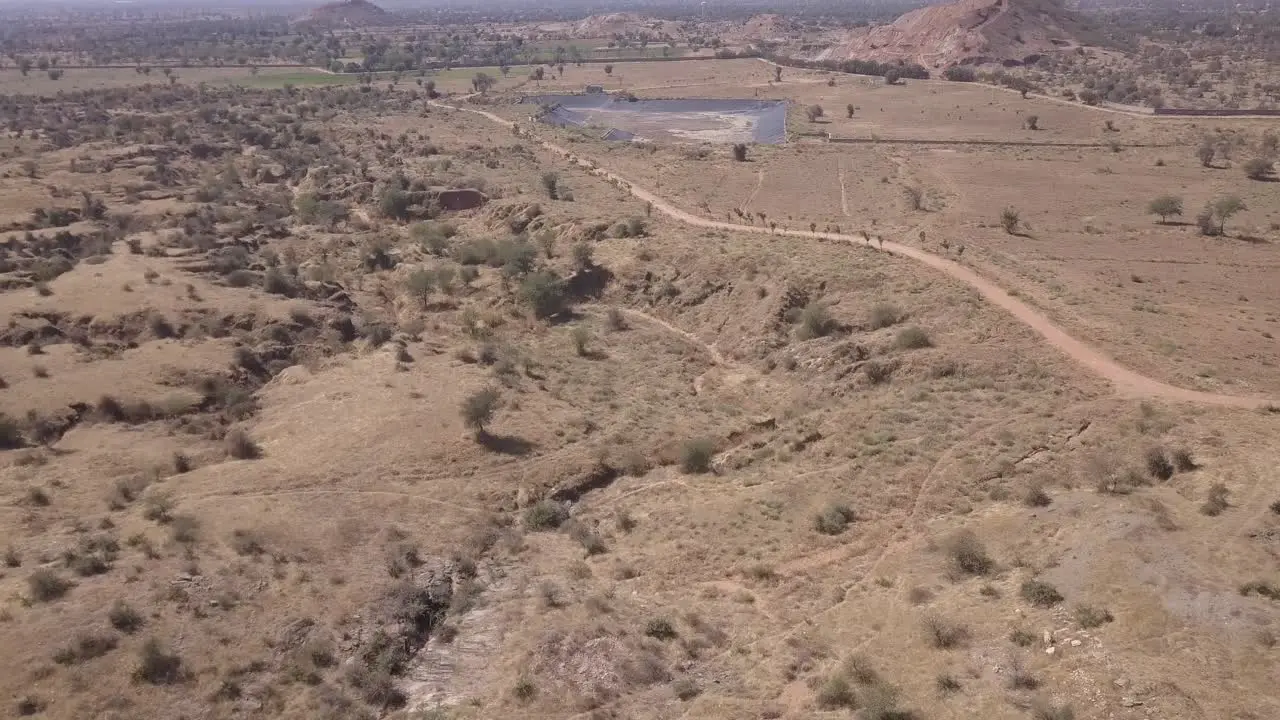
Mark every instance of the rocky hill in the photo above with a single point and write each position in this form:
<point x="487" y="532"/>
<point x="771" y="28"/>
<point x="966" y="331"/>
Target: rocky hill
<point x="624" y="25"/>
<point x="969" y="32"/>
<point x="348" y="13"/>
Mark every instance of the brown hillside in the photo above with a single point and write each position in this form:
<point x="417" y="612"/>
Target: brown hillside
<point x="968" y="32"/>
<point x="351" y="13"/>
<point x="624" y="24"/>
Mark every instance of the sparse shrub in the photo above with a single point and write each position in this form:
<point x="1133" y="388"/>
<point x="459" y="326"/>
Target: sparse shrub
<point x="1040" y="593"/>
<point x="836" y="692"/>
<point x="1036" y="497"/>
<point x="884" y="315"/>
<point x="947" y="684"/>
<point x="247" y="542"/>
<point x="740" y="152"/>
<point x="1043" y="710"/>
<point x="815" y="321"/>
<point x="1010" y="220"/>
<point x="1091" y="617"/>
<point x="37" y="497"/>
<point x="615" y="320"/>
<point x="1022" y="637"/>
<point x="1020" y="678"/>
<point x="277" y="283"/>
<point x="524" y="689"/>
<point x="1033" y="122"/>
<point x="1216" y="504"/>
<point x="686" y="689"/>
<point x="859" y="669"/>
<point x="545" y="515"/>
<point x="156" y="665"/>
<point x="581" y="336"/>
<point x="1259" y="169"/>
<point x="696" y="456"/>
<point x="968" y="555"/>
<point x="10" y="433"/>
<point x="85" y="647"/>
<point x="1275" y="507"/>
<point x="878" y="372"/>
<point x="181" y="463"/>
<point x="124" y="618"/>
<point x="1183" y="460"/>
<point x="1260" y="587"/>
<point x="12" y="558"/>
<point x="184" y="529"/>
<point x="550" y="183"/>
<point x="588" y="539"/>
<point x="242" y="447"/>
<point x="29" y="705"/>
<point x="943" y="634"/>
<point x="660" y="629"/>
<point x="1158" y="464"/>
<point x="880" y="702"/>
<point x="913" y="338"/>
<point x="583" y="256"/>
<point x="833" y="519"/>
<point x="478" y="409"/>
<point x="47" y="585"/>
<point x="158" y="506"/>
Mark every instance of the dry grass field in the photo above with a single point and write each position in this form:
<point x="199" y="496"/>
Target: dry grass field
<point x="276" y="443"/>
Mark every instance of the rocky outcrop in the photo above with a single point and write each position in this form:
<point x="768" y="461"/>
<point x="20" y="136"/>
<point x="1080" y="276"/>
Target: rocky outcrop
<point x="969" y="32"/>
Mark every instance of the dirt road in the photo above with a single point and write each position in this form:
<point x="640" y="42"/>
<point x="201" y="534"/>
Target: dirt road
<point x="1126" y="382"/>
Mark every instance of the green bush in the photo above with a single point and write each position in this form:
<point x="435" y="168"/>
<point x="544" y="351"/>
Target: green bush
<point x="545" y="515"/>
<point x="544" y="293"/>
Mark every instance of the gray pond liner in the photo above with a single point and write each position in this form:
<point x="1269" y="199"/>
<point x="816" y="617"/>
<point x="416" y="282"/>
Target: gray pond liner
<point x="693" y="119"/>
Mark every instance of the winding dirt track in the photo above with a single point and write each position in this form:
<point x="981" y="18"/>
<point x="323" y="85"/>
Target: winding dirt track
<point x="1127" y="383"/>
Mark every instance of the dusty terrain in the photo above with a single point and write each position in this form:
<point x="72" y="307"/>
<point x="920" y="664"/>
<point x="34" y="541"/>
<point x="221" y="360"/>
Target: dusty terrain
<point x="731" y="470"/>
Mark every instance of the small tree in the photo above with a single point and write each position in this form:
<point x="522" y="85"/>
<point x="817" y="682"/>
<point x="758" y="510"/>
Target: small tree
<point x="1033" y="122"/>
<point x="915" y="198"/>
<point x="478" y="409"/>
<point x="777" y="73"/>
<point x="1206" y="154"/>
<point x="1010" y="220"/>
<point x="482" y="82"/>
<point x="1165" y="206"/>
<point x="544" y="293"/>
<point x="849" y="110"/>
<point x="1259" y="169"/>
<point x="892" y="76"/>
<point x="550" y="183"/>
<point x="1223" y="208"/>
<point x="740" y="152"/>
<point x="814" y="112"/>
<point x="608" y="69"/>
